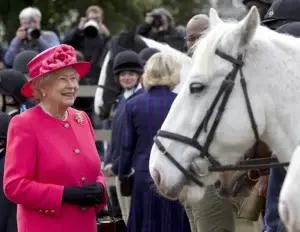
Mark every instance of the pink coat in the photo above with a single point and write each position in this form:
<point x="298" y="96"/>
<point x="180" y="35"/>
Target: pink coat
<point x="44" y="155"/>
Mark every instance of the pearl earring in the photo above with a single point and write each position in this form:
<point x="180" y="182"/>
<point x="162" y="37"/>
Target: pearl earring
<point x="44" y="94"/>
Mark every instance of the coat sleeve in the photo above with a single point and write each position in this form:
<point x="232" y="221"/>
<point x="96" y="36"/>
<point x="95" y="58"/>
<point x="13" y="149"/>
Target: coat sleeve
<point x="100" y="178"/>
<point x="128" y="143"/>
<point x="19" y="184"/>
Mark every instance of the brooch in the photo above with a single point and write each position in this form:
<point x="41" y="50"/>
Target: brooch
<point x="79" y="118"/>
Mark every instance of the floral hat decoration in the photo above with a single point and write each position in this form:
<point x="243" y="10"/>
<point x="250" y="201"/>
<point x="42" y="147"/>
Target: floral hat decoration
<point x="51" y="60"/>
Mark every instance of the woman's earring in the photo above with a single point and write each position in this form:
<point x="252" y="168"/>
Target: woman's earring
<point x="44" y="94"/>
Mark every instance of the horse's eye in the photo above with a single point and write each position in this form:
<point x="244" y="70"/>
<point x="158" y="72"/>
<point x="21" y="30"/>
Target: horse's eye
<point x="196" y="87"/>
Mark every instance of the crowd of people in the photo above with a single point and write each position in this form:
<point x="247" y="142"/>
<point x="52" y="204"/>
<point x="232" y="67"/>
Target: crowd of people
<point x="50" y="166"/>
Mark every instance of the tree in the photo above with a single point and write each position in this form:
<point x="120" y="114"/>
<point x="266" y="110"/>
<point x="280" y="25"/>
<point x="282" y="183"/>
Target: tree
<point x="58" y="15"/>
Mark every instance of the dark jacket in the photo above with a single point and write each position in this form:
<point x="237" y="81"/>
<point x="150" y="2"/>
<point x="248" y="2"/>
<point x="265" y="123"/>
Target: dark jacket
<point x="8" y="210"/>
<point x="117" y="131"/>
<point x="92" y="50"/>
<point x="170" y="37"/>
<point x="145" y="114"/>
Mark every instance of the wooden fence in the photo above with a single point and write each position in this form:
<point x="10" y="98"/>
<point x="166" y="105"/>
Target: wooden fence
<point x="89" y="91"/>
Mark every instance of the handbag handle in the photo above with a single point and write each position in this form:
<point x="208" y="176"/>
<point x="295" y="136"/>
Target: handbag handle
<point x="111" y="211"/>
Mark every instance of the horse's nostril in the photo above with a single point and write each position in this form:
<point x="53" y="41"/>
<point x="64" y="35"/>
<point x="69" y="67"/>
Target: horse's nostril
<point x="218" y="184"/>
<point x="157" y="177"/>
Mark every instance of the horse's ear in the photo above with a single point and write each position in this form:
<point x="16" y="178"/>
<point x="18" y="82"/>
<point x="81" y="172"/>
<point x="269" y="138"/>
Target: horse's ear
<point x="248" y="26"/>
<point x="214" y="18"/>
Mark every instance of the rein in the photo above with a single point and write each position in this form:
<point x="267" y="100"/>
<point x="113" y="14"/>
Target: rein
<point x="222" y="95"/>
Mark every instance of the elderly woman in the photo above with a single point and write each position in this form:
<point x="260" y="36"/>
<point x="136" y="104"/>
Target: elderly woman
<point x="145" y="114"/>
<point x="52" y="168"/>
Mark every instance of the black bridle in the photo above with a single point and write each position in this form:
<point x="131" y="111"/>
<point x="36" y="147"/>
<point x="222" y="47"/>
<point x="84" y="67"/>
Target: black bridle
<point x="223" y="96"/>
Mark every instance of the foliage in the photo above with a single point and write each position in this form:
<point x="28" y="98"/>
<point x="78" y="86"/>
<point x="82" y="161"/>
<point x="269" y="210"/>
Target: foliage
<point x="61" y="15"/>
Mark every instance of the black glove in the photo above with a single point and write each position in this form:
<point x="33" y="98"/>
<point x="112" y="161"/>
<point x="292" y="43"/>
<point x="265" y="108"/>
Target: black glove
<point x="88" y="195"/>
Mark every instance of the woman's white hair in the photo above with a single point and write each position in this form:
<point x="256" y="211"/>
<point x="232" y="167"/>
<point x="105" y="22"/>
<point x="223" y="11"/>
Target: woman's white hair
<point x="38" y="85"/>
<point x="162" y="69"/>
<point x="28" y="12"/>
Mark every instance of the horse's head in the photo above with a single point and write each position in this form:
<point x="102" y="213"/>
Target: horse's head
<point x="209" y="123"/>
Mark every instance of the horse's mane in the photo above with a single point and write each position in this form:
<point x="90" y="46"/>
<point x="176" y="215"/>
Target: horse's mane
<point x="166" y="48"/>
<point x="264" y="40"/>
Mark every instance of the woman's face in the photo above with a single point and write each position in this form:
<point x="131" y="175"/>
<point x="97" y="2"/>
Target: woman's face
<point x="128" y="79"/>
<point x="62" y="88"/>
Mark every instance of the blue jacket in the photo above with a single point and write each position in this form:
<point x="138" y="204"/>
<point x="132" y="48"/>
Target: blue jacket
<point x="117" y="130"/>
<point x="276" y="178"/>
<point x="145" y="114"/>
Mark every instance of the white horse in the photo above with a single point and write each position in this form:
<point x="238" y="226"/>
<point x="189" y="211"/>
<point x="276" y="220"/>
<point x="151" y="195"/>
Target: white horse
<point x="272" y="71"/>
<point x="184" y="60"/>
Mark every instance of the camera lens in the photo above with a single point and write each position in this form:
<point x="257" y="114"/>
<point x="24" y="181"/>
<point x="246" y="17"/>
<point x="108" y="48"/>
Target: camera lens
<point x="33" y="33"/>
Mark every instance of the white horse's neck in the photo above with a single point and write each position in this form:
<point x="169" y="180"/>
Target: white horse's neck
<point x="279" y="89"/>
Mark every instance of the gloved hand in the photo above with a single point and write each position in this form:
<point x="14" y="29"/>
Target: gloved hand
<point x="88" y="195"/>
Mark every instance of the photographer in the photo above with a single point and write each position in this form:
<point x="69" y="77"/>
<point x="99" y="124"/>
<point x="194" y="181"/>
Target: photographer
<point x="159" y="26"/>
<point x="90" y="38"/>
<point x="29" y="35"/>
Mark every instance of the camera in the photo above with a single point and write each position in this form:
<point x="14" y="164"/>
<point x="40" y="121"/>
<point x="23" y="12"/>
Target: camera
<point x="91" y="28"/>
<point x="33" y="33"/>
<point x="157" y="20"/>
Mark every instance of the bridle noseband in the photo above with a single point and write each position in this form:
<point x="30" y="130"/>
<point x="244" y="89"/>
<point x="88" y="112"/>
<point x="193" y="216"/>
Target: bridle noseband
<point x="222" y="95"/>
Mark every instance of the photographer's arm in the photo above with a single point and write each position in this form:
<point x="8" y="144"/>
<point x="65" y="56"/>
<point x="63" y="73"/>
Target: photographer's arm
<point x="12" y="51"/>
<point x="74" y="38"/>
<point x="144" y="29"/>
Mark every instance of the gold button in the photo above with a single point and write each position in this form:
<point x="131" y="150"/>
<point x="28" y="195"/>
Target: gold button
<point x="40" y="211"/>
<point x="66" y="125"/>
<point x="77" y="151"/>
<point x="52" y="211"/>
<point x="83" y="179"/>
<point x="46" y="211"/>
<point x="83" y="208"/>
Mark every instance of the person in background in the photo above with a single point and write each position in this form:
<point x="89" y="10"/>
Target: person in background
<point x="8" y="210"/>
<point x="159" y="25"/>
<point x="2" y="52"/>
<point x="90" y="38"/>
<point x="146" y="54"/>
<point x="11" y="83"/>
<point x="128" y="69"/>
<point x="29" y="35"/>
<point x="282" y="12"/>
<point x="61" y="187"/>
<point x="22" y="59"/>
<point x="262" y="6"/>
<point x="144" y="115"/>
<point x="195" y="29"/>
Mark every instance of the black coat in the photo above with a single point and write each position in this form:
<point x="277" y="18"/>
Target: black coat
<point x="8" y="210"/>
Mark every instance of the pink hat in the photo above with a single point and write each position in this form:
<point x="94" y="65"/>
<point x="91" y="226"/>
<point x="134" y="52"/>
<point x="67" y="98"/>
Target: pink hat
<point x="50" y="60"/>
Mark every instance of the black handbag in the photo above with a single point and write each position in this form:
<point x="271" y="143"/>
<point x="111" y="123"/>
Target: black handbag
<point x="126" y="184"/>
<point x="110" y="223"/>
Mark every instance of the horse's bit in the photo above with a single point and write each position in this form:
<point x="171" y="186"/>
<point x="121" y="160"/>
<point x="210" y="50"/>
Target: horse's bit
<point x="224" y="91"/>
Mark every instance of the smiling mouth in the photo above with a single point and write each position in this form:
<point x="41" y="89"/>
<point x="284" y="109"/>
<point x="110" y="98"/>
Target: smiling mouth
<point x="68" y="94"/>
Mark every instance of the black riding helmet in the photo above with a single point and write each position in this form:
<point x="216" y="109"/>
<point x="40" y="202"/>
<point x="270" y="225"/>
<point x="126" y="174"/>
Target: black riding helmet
<point x="4" y="122"/>
<point x="22" y="59"/>
<point x="146" y="53"/>
<point x="127" y="61"/>
<point x="290" y="29"/>
<point x="282" y="12"/>
<point x="266" y="2"/>
<point x="11" y="82"/>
